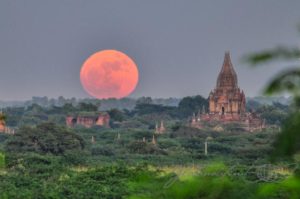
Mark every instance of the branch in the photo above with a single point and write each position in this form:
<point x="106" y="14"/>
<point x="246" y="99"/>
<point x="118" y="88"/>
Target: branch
<point x="282" y="53"/>
<point x="287" y="80"/>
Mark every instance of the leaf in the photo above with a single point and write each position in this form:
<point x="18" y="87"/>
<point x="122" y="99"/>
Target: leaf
<point x="282" y="53"/>
<point x="287" y="142"/>
<point x="287" y="80"/>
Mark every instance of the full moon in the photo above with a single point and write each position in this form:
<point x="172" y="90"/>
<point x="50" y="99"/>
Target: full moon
<point x="109" y="74"/>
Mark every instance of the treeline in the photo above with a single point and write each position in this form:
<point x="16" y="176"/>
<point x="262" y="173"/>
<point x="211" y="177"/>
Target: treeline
<point x="145" y="111"/>
<point x="35" y="113"/>
<point x="124" y="103"/>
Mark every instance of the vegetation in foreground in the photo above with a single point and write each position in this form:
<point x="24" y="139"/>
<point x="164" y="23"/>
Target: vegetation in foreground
<point x="52" y="161"/>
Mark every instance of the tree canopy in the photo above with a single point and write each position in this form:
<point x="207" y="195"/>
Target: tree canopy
<point x="46" y="138"/>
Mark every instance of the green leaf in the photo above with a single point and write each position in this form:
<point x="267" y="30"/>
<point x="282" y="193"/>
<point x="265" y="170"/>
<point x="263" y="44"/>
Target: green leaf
<point x="285" y="81"/>
<point x="282" y="53"/>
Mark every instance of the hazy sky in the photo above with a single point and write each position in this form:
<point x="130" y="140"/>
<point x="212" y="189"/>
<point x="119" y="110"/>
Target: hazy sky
<point x="177" y="45"/>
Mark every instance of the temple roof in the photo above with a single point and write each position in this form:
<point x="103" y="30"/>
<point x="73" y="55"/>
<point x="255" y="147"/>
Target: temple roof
<point x="227" y="76"/>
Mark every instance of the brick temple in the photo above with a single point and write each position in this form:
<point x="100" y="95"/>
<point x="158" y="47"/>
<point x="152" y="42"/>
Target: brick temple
<point x="88" y="121"/>
<point x="227" y="102"/>
<point x="3" y="128"/>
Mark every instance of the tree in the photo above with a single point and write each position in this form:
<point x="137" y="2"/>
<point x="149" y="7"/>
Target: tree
<point x="189" y="105"/>
<point x="287" y="81"/>
<point x="2" y="160"/>
<point x="144" y="100"/>
<point x="35" y="108"/>
<point x="2" y="117"/>
<point x="143" y="109"/>
<point x="68" y="108"/>
<point x="252" y="105"/>
<point x="116" y="115"/>
<point x="87" y="107"/>
<point x="45" y="138"/>
<point x="273" y="114"/>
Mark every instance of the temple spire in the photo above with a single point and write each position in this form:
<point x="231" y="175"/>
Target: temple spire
<point x="227" y="59"/>
<point x="227" y="65"/>
<point x="227" y="76"/>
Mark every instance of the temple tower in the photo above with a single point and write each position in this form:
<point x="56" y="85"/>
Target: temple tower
<point x="227" y="103"/>
<point x="227" y="98"/>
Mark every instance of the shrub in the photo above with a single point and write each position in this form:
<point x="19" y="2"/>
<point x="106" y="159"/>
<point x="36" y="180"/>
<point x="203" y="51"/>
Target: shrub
<point x="45" y="138"/>
<point x="2" y="160"/>
<point x="102" y="151"/>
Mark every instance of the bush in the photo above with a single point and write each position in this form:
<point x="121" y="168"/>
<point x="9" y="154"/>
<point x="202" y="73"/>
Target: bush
<point x="3" y="137"/>
<point x="2" y="160"/>
<point x="145" y="148"/>
<point x="75" y="158"/>
<point x="102" y="151"/>
<point x="107" y="182"/>
<point x="45" y="138"/>
<point x="35" y="165"/>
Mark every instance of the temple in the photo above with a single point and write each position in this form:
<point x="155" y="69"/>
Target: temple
<point x="227" y="102"/>
<point x="3" y="128"/>
<point x="160" y="129"/>
<point x="2" y="123"/>
<point x="88" y="121"/>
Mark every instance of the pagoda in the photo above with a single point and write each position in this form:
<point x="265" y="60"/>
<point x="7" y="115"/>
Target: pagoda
<point x="227" y="102"/>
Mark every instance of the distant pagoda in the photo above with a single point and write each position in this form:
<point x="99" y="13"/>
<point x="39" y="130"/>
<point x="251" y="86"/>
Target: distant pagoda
<point x="227" y="99"/>
<point x="227" y="102"/>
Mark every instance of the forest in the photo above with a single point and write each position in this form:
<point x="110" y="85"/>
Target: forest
<point x="47" y="159"/>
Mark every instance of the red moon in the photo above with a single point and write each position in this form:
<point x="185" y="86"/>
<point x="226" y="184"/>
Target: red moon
<point x="109" y="74"/>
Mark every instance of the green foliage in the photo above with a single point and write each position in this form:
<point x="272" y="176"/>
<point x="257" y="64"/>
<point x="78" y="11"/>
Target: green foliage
<point x="272" y="116"/>
<point x="145" y="148"/>
<point x="288" y="141"/>
<point x="143" y="109"/>
<point x="116" y="115"/>
<point x="32" y="175"/>
<point x="288" y="80"/>
<point x="45" y="138"/>
<point x="234" y="127"/>
<point x="35" y="108"/>
<point x="211" y="183"/>
<point x="68" y="108"/>
<point x="87" y="107"/>
<point x="2" y="117"/>
<point x="2" y="160"/>
<point x="107" y="182"/>
<point x="105" y="151"/>
<point x="185" y="131"/>
<point x="287" y="188"/>
<point x="14" y="115"/>
<point x="35" y="165"/>
<point x="252" y="105"/>
<point x="189" y="105"/>
<point x="144" y="100"/>
<point x="273" y="54"/>
<point x="3" y="137"/>
<point x="76" y="157"/>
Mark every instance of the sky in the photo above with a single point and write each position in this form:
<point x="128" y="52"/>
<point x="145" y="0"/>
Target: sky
<point x="178" y="45"/>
